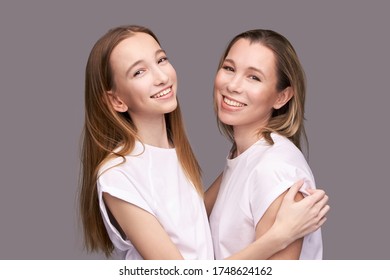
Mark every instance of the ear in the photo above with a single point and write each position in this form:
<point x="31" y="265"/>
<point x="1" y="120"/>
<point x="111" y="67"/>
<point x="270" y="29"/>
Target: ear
<point x="116" y="102"/>
<point x="283" y="97"/>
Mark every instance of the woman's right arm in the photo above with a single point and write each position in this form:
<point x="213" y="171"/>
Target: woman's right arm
<point x="142" y="229"/>
<point x="294" y="220"/>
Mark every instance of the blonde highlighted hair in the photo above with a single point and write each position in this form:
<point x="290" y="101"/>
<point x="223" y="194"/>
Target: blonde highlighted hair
<point x="105" y="130"/>
<point x="288" y="120"/>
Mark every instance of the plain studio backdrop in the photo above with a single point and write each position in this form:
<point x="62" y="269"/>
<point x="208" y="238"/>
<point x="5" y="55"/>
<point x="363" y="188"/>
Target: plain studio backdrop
<point x="343" y="46"/>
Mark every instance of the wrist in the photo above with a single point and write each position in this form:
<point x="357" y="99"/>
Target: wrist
<point x="280" y="237"/>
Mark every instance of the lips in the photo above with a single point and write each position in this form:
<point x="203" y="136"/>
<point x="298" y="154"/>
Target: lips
<point x="162" y="93"/>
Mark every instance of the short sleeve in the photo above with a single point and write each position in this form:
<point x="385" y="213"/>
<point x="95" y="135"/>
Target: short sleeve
<point x="268" y="182"/>
<point x="120" y="185"/>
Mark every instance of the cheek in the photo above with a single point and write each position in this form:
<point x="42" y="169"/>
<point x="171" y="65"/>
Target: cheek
<point x="217" y="95"/>
<point x="137" y="92"/>
<point x="172" y="73"/>
<point x="219" y="81"/>
<point x="264" y="104"/>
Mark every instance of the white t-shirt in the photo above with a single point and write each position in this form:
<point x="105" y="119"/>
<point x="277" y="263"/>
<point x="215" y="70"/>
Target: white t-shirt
<point x="250" y="183"/>
<point x="152" y="179"/>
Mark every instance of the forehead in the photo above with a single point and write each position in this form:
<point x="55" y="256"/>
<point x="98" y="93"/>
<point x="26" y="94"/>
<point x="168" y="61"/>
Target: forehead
<point x="139" y="46"/>
<point x="252" y="54"/>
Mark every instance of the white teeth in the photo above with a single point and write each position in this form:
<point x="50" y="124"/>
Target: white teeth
<point x="164" y="92"/>
<point x="232" y="102"/>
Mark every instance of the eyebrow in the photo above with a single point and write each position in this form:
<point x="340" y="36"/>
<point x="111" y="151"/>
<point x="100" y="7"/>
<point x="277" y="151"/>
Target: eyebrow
<point x="250" y="67"/>
<point x="141" y="60"/>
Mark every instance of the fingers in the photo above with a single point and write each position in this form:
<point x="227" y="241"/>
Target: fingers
<point x="310" y="190"/>
<point x="321" y="203"/>
<point x="317" y="225"/>
<point x="324" y="211"/>
<point x="322" y="216"/>
<point x="290" y="195"/>
<point x="321" y="222"/>
<point x="316" y="196"/>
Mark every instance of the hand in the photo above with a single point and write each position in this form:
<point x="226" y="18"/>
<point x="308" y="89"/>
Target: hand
<point x="297" y="219"/>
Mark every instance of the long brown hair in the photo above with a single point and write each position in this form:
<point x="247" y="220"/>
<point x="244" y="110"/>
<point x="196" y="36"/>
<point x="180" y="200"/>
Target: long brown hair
<point x="288" y="120"/>
<point x="105" y="130"/>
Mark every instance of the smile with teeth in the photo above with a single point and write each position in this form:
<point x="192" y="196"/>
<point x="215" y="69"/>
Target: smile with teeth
<point x="232" y="102"/>
<point x="162" y="93"/>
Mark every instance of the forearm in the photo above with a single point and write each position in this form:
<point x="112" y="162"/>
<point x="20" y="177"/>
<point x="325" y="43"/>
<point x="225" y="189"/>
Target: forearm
<point x="264" y="247"/>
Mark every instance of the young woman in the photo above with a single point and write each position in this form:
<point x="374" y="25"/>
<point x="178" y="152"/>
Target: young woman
<point x="259" y="97"/>
<point x="141" y="191"/>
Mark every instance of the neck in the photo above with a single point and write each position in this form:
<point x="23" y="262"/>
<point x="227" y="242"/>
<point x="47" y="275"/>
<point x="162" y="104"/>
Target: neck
<point x="245" y="137"/>
<point x="153" y="131"/>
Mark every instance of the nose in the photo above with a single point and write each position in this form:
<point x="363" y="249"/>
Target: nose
<point x="160" y="76"/>
<point x="234" y="85"/>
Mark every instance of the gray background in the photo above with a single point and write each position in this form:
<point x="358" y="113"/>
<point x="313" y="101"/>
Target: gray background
<point x="344" y="48"/>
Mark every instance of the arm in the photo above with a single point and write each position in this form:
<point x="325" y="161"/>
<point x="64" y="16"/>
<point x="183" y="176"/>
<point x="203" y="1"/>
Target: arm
<point x="293" y="221"/>
<point x="143" y="229"/>
<point x="211" y="194"/>
<point x="305" y="216"/>
<point x="292" y="251"/>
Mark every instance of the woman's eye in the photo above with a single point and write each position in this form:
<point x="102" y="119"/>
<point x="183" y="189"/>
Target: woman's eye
<point x="228" y="68"/>
<point x="137" y="73"/>
<point x="163" y="59"/>
<point x="254" y="78"/>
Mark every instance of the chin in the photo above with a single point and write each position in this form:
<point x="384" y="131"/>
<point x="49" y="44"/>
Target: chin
<point x="225" y="119"/>
<point x="172" y="107"/>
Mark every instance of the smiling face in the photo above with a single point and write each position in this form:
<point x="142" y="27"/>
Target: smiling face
<point x="145" y="83"/>
<point x="245" y="86"/>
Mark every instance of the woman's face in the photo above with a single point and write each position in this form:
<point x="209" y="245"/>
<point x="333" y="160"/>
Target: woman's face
<point x="245" y="86"/>
<point x="145" y="83"/>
